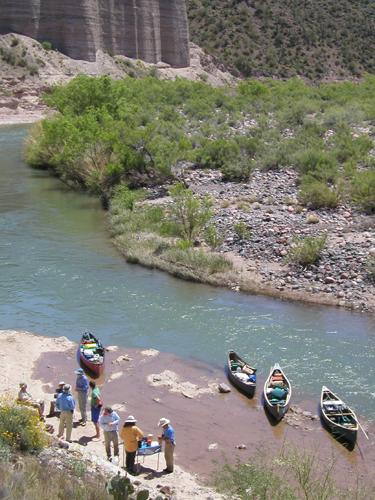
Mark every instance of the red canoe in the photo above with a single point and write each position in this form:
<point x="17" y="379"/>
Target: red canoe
<point x="91" y="353"/>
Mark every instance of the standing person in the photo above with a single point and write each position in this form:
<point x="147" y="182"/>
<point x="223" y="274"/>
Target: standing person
<point x="65" y="404"/>
<point x="130" y="434"/>
<point x="168" y="437"/>
<point x="109" y="423"/>
<point x="96" y="406"/>
<point x="82" y="389"/>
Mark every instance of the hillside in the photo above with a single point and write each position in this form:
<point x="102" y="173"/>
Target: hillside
<point x="314" y="38"/>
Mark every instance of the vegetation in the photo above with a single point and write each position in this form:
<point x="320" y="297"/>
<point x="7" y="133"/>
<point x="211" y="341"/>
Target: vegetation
<point x="16" y="55"/>
<point x="307" y="251"/>
<point x="189" y="212"/>
<point x="289" y="476"/>
<point x="157" y="235"/>
<point x="242" y="231"/>
<point x="20" y="427"/>
<point x="118" y="138"/>
<point x="316" y="39"/>
<point x="132" y="132"/>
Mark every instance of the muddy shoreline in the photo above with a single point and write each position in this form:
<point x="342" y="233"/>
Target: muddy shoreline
<point x="209" y="426"/>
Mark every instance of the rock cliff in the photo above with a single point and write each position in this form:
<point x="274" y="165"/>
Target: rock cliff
<point x="151" y="30"/>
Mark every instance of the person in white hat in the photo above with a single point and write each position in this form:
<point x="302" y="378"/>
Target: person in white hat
<point x="131" y="434"/>
<point x="53" y="411"/>
<point x="168" y="437"/>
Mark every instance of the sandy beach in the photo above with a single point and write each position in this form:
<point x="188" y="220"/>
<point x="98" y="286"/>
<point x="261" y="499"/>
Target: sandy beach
<point x="210" y="427"/>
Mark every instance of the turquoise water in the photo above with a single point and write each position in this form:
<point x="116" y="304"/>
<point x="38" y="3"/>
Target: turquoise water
<point x="60" y="275"/>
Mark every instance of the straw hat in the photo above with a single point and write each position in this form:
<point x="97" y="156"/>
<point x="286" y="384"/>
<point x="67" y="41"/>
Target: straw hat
<point x="130" y="420"/>
<point x="163" y="421"/>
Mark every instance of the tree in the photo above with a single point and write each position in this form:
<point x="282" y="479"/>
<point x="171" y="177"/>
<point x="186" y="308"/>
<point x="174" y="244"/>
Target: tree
<point x="190" y="212"/>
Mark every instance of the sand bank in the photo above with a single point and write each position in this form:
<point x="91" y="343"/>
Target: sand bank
<point x="209" y="426"/>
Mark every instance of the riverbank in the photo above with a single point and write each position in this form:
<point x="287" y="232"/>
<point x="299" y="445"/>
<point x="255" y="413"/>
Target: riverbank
<point x="150" y="384"/>
<point x="267" y="207"/>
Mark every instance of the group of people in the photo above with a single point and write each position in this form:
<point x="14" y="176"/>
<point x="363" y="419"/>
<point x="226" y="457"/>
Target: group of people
<point x="103" y="417"/>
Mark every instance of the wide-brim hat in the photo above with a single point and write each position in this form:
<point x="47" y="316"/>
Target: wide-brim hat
<point x="163" y="421"/>
<point x="130" y="420"/>
<point x="67" y="387"/>
<point x="61" y="382"/>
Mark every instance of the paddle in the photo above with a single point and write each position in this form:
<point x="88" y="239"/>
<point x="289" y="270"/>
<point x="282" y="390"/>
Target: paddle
<point x="363" y="430"/>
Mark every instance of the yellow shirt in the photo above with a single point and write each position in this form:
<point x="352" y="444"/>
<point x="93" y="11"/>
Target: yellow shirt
<point x="131" y="435"/>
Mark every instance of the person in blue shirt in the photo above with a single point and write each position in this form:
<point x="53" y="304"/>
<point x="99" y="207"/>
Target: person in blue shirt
<point x="82" y="389"/>
<point x="65" y="404"/>
<point x="109" y="422"/>
<point x="168" y="437"/>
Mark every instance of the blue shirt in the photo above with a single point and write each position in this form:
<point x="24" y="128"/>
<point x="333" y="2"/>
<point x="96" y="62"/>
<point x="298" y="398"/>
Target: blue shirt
<point x="65" y="402"/>
<point x="82" y="383"/>
<point x="105" y="420"/>
<point x="168" y="434"/>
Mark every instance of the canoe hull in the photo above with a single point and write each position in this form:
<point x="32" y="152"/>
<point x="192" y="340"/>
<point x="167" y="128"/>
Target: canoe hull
<point x="95" y="368"/>
<point x="246" y="388"/>
<point x="277" y="411"/>
<point x="95" y="362"/>
<point x="347" y="434"/>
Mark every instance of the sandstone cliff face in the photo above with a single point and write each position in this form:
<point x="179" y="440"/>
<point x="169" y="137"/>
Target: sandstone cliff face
<point x="151" y="30"/>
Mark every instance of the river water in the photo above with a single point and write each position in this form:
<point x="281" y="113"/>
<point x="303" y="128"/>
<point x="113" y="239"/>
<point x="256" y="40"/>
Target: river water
<point x="60" y="275"/>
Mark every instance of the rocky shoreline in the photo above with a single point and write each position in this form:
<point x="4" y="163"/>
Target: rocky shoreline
<point x="268" y="207"/>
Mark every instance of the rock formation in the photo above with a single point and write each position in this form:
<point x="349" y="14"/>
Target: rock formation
<point x="151" y="30"/>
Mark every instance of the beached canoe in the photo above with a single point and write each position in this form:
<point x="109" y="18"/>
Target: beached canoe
<point x="91" y="353"/>
<point x="241" y="374"/>
<point x="277" y="393"/>
<point x="338" y="417"/>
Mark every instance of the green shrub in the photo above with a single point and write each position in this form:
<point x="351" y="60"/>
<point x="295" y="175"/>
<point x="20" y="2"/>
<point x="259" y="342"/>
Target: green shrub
<point x="20" y="427"/>
<point x="306" y="251"/>
<point x="212" y="236"/>
<point x="316" y="194"/>
<point x="198" y="259"/>
<point x="242" y="231"/>
<point x="218" y="153"/>
<point x="237" y="171"/>
<point x="47" y="45"/>
<point x="189" y="211"/>
<point x="363" y="190"/>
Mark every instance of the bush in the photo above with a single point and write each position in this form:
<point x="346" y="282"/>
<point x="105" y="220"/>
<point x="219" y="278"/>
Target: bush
<point x="363" y="190"/>
<point x="213" y="237"/>
<point x="47" y="45"/>
<point x="34" y="481"/>
<point x="242" y="231"/>
<point x="20" y="427"/>
<point x="307" y="251"/>
<point x="237" y="171"/>
<point x="316" y="194"/>
<point x="198" y="259"/>
<point x="189" y="211"/>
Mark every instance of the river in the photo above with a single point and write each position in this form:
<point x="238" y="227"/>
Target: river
<point x="60" y="275"/>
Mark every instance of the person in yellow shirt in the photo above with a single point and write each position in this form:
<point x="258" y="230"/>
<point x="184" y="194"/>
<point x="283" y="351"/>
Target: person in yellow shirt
<point x="131" y="434"/>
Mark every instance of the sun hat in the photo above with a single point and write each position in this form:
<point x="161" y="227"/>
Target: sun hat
<point x="163" y="421"/>
<point x="79" y="371"/>
<point x="61" y="382"/>
<point x="66" y="387"/>
<point x="130" y="420"/>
